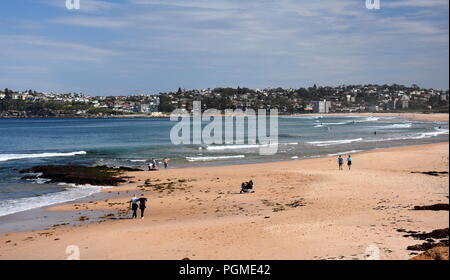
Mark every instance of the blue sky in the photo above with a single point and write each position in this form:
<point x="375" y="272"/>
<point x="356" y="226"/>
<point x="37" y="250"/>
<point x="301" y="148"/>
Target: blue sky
<point x="119" y="47"/>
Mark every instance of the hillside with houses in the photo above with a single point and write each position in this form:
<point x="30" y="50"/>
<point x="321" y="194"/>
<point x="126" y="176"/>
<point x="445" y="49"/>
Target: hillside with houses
<point x="315" y="99"/>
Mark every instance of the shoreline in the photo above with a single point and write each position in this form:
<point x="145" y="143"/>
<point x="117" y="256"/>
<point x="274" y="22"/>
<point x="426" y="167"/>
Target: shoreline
<point x="444" y="117"/>
<point x="195" y="187"/>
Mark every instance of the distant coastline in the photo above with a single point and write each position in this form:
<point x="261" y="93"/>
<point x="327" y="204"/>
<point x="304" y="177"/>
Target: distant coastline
<point x="408" y="115"/>
<point x="87" y="117"/>
<point x="343" y="99"/>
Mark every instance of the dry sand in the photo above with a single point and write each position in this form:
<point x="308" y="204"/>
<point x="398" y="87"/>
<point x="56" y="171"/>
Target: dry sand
<point x="305" y="209"/>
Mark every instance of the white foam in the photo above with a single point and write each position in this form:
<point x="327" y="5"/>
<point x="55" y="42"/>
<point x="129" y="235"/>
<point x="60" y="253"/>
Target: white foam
<point x="246" y="146"/>
<point x="336" y="123"/>
<point x="396" y="125"/>
<point x="73" y="192"/>
<point x="212" y="158"/>
<point x="236" y="147"/>
<point x="137" y="160"/>
<point x="288" y="144"/>
<point x="334" y="142"/>
<point x="369" y="119"/>
<point x="6" y="157"/>
<point x="416" y="136"/>
<point x="301" y="117"/>
<point x="439" y="131"/>
<point x="345" y="153"/>
<point x="41" y="181"/>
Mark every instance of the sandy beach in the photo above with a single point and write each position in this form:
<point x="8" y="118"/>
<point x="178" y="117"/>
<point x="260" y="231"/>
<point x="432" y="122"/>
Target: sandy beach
<point x="437" y="117"/>
<point x="305" y="209"/>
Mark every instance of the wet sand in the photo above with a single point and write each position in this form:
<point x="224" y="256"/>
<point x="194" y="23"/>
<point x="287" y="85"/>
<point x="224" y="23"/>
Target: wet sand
<point x="305" y="209"/>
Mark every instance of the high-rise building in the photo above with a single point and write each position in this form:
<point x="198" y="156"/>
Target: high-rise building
<point x="154" y="105"/>
<point x="321" y="107"/>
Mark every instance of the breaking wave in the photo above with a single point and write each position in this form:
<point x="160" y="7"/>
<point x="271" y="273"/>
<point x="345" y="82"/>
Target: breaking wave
<point x="6" y="157"/>
<point x="213" y="158"/>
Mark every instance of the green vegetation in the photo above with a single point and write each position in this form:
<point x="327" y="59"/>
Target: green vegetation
<point x="24" y="108"/>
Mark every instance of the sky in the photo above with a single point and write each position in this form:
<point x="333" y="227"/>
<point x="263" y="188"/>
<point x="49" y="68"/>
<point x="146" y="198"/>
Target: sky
<point x="121" y="47"/>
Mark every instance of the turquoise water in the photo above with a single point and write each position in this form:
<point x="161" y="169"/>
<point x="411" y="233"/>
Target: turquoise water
<point x="128" y="142"/>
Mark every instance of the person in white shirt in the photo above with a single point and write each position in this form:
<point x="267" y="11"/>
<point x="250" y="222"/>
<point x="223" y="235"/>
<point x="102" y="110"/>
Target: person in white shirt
<point x="134" y="206"/>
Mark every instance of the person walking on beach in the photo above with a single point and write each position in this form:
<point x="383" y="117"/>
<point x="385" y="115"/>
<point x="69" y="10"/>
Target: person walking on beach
<point x="134" y="206"/>
<point x="142" y="201"/>
<point x="166" y="162"/>
<point x="349" y="162"/>
<point x="340" y="162"/>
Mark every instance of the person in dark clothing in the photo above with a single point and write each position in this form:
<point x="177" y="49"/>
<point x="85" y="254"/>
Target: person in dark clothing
<point x="243" y="185"/>
<point x="247" y="187"/>
<point x="349" y="162"/>
<point x="142" y="201"/>
<point x="340" y="162"/>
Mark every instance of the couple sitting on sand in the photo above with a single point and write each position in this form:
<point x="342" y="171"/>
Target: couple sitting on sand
<point x="134" y="205"/>
<point x="152" y="166"/>
<point x="247" y="187"/>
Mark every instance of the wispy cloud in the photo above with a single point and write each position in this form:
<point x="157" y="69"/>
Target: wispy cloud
<point x="95" y="22"/>
<point x="205" y="43"/>
<point x="416" y="3"/>
<point x="39" y="47"/>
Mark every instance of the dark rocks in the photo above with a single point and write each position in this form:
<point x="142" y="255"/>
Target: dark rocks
<point x="121" y="168"/>
<point x="108" y="216"/>
<point x="30" y="177"/>
<point x="432" y="173"/>
<point x="404" y="230"/>
<point x="81" y="175"/>
<point x="83" y="218"/>
<point x="435" y="234"/>
<point x="434" y="207"/>
<point x="427" y="246"/>
<point x="430" y="243"/>
<point x="296" y="203"/>
<point x="278" y="209"/>
<point x="129" y="169"/>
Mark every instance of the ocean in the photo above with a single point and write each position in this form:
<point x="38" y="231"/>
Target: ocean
<point x="130" y="142"/>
